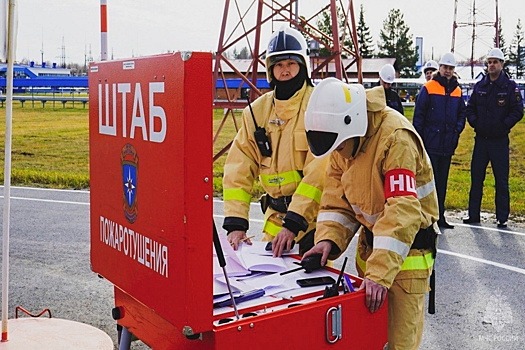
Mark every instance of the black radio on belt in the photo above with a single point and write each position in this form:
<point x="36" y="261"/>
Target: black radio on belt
<point x="263" y="142"/>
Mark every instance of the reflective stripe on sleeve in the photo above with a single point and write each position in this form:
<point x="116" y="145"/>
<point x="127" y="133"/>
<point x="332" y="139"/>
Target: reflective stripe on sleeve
<point x="392" y="244"/>
<point x="371" y="218"/>
<point x="309" y="191"/>
<point x="418" y="262"/>
<point x="360" y="263"/>
<point x="285" y="178"/>
<point x="340" y="219"/>
<point x="271" y="228"/>
<point x="236" y="194"/>
<point x="426" y="189"/>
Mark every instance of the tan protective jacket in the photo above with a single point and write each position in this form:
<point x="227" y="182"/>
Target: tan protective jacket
<point x="291" y="170"/>
<point x="358" y="192"/>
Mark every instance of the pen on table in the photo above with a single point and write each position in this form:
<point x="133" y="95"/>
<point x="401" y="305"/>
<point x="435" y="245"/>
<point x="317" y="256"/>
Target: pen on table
<point x="254" y="294"/>
<point x="349" y="283"/>
<point x="247" y="238"/>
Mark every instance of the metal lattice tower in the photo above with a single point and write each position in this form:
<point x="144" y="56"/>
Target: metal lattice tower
<point x="481" y="18"/>
<point x="250" y="21"/>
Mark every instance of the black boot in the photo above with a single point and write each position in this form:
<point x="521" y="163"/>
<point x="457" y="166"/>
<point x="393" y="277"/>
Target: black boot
<point x="444" y="224"/>
<point x="470" y="220"/>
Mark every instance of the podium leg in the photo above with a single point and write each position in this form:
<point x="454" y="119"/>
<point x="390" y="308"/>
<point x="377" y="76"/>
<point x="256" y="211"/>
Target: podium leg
<point x="125" y="339"/>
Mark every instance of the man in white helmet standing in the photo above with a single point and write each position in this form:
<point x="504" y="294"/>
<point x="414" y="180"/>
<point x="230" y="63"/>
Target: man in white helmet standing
<point x="494" y="107"/>
<point x="387" y="75"/>
<point x="380" y="179"/>
<point x="429" y="68"/>
<point x="271" y="145"/>
<point x="439" y="118"/>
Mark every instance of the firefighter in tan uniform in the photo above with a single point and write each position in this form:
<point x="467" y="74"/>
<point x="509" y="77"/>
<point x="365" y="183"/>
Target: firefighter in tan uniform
<point x="379" y="181"/>
<point x="288" y="172"/>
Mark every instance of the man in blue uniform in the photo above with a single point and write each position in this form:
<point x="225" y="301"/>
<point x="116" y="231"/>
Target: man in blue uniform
<point x="493" y="109"/>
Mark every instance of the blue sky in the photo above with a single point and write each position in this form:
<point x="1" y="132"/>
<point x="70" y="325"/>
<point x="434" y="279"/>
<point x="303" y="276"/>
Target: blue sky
<point x="156" y="26"/>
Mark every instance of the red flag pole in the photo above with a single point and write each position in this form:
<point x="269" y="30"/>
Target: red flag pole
<point x="103" y="30"/>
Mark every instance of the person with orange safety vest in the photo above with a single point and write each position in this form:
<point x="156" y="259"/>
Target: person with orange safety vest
<point x="379" y="179"/>
<point x="439" y="118"/>
<point x="291" y="177"/>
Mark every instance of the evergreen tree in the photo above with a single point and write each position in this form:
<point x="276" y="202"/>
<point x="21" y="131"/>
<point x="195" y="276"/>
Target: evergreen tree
<point x="397" y="43"/>
<point x="325" y="26"/>
<point x="517" y="51"/>
<point x="243" y="54"/>
<point x="364" y="38"/>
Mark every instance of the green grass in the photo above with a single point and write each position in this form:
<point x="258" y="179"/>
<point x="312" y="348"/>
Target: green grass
<point x="50" y="149"/>
<point x="49" y="146"/>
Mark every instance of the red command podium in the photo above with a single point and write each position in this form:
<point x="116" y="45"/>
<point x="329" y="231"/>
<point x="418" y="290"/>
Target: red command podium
<point x="151" y="127"/>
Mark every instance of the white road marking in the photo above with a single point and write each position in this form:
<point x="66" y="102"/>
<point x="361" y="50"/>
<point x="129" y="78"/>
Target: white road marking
<point x="483" y="261"/>
<point x="47" y="189"/>
<point x="492" y="229"/>
<point x="47" y="200"/>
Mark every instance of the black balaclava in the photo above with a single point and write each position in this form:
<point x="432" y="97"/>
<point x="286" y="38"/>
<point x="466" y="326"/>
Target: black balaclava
<point x="286" y="89"/>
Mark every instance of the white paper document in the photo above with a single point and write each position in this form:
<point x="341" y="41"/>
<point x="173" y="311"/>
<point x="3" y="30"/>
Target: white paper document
<point x="259" y="248"/>
<point x="234" y="266"/>
<point x="263" y="263"/>
<point x="246" y="259"/>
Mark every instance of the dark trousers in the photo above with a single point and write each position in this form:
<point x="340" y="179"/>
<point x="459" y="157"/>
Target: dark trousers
<point x="495" y="151"/>
<point x="441" y="167"/>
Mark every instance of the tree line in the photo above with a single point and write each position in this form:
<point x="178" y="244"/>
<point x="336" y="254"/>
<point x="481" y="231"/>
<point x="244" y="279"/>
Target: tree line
<point x="395" y="41"/>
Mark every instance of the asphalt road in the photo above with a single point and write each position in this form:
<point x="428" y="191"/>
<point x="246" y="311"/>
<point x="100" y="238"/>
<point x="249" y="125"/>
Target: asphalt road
<point x="480" y="273"/>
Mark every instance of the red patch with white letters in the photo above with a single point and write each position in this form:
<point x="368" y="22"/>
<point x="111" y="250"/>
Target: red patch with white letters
<point x="400" y="182"/>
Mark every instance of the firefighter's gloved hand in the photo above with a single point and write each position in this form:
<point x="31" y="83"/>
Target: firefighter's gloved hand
<point x="375" y="294"/>
<point x="236" y="237"/>
<point x="282" y="242"/>
<point x="323" y="248"/>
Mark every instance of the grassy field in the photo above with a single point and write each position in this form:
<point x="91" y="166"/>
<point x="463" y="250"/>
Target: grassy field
<point x="50" y="149"/>
<point x="49" y="146"/>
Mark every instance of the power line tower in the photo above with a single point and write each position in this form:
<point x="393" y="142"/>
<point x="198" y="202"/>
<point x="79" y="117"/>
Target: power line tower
<point x="481" y="18"/>
<point x="63" y="54"/>
<point x="42" y="49"/>
<point x="251" y="21"/>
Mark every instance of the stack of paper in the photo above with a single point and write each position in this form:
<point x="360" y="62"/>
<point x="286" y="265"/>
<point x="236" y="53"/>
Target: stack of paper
<point x="247" y="259"/>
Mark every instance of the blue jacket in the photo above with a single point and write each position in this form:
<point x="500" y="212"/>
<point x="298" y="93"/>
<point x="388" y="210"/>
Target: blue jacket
<point x="494" y="107"/>
<point x="439" y="115"/>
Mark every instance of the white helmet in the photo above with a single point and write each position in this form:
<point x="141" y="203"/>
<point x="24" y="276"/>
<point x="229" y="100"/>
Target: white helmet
<point x="448" y="59"/>
<point x="496" y="53"/>
<point x="286" y="43"/>
<point x="336" y="112"/>
<point x="387" y="73"/>
<point x="431" y="64"/>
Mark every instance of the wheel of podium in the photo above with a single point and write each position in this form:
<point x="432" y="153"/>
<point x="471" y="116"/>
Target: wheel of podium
<point x="54" y="334"/>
